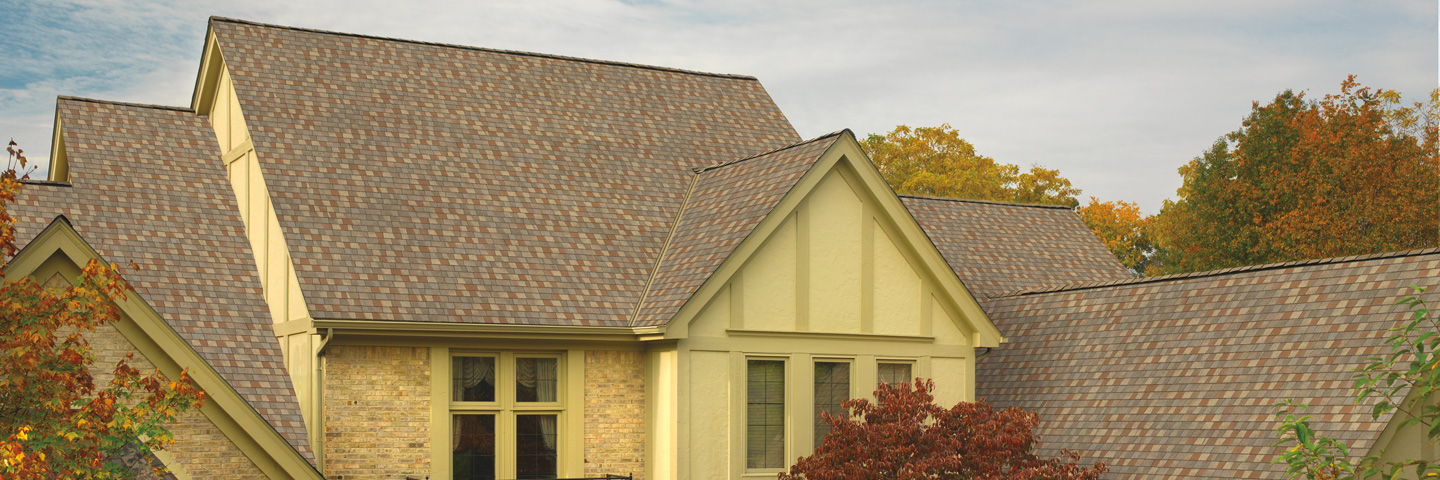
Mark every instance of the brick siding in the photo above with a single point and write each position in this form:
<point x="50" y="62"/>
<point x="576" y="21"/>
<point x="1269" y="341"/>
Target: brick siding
<point x="614" y="413"/>
<point x="202" y="450"/>
<point x="377" y="412"/>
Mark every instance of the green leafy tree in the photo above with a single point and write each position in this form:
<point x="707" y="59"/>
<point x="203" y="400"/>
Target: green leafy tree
<point x="1352" y="173"/>
<point x="55" y="422"/>
<point x="935" y="161"/>
<point x="1401" y="383"/>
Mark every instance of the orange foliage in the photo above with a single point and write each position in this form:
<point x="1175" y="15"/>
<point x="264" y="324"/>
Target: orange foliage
<point x="1123" y="230"/>
<point x="1353" y="173"/>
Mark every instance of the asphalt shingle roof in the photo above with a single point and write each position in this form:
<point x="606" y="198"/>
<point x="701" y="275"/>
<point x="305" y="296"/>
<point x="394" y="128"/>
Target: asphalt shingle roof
<point x="998" y="247"/>
<point x="436" y="183"/>
<point x="147" y="186"/>
<point x="1175" y="376"/>
<point x="727" y="203"/>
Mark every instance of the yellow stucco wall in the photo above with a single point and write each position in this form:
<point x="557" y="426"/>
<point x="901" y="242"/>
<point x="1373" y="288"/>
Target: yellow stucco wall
<point x="272" y="256"/>
<point x="835" y="281"/>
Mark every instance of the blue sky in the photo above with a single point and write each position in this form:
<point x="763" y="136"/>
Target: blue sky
<point x="1115" y="94"/>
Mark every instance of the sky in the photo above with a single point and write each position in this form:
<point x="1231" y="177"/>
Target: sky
<point x="1115" y="94"/>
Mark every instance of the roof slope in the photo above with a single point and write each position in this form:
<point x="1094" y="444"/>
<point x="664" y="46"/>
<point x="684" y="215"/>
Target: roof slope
<point x="1175" y="376"/>
<point x="148" y="187"/>
<point x="998" y="248"/>
<point x="427" y="182"/>
<point x="727" y="203"/>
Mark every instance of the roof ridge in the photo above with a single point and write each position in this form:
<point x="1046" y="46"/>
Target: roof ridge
<point x="727" y="163"/>
<point x="664" y="248"/>
<point x="490" y="50"/>
<point x="989" y="202"/>
<point x="1220" y="272"/>
<point x="127" y="104"/>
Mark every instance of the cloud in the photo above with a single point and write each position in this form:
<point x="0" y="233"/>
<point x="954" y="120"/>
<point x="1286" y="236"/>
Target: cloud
<point x="1116" y="94"/>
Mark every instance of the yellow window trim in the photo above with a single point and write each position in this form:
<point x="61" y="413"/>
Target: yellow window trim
<point x="570" y="409"/>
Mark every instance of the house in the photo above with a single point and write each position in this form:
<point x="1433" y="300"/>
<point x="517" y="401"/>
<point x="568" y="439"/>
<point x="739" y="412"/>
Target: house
<point x="394" y="259"/>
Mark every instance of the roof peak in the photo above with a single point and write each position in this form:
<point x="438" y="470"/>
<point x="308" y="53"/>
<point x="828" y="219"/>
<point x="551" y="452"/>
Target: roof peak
<point x="768" y="152"/>
<point x="1221" y="272"/>
<point x="987" y="202"/>
<point x="125" y="104"/>
<point x="489" y="50"/>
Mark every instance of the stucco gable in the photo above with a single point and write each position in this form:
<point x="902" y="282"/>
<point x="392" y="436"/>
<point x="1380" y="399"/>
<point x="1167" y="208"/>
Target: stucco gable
<point x="839" y="253"/>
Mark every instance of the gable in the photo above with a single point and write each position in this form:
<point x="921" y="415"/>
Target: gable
<point x="229" y="425"/>
<point x="839" y="254"/>
<point x="145" y="187"/>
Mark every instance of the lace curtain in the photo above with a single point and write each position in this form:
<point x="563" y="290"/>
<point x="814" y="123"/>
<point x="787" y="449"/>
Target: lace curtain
<point x="542" y="375"/>
<point x="475" y="371"/>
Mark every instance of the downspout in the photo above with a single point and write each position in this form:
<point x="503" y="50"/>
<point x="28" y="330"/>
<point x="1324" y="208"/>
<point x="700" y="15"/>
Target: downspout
<point x="317" y="399"/>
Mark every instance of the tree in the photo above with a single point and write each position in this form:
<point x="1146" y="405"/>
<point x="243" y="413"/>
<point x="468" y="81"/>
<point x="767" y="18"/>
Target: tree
<point x="54" y="420"/>
<point x="936" y="161"/>
<point x="1404" y="382"/>
<point x="1123" y="230"/>
<point x="1353" y="173"/>
<point x="905" y="435"/>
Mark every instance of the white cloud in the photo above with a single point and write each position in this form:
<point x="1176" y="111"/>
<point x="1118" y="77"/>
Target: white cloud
<point x="1115" y="94"/>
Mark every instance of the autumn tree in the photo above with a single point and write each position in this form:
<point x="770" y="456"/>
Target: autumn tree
<point x="905" y="435"/>
<point x="936" y="161"/>
<point x="1352" y="173"/>
<point x="55" y="422"/>
<point x="1123" y="230"/>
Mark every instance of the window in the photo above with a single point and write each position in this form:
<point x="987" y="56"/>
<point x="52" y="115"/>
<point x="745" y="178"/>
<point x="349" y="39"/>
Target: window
<point x="505" y="412"/>
<point x="765" y="414"/>
<point x="832" y="386"/>
<point x="894" y="372"/>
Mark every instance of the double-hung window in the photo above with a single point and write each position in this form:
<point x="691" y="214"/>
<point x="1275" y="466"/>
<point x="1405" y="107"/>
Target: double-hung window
<point x="505" y="415"/>
<point x="832" y="386"/>
<point x="765" y="414"/>
<point x="894" y="372"/>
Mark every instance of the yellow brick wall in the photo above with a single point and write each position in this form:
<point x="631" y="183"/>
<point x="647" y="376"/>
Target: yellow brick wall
<point x="614" y="413"/>
<point x="377" y="412"/>
<point x="200" y="448"/>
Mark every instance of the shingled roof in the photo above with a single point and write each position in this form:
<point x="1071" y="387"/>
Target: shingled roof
<point x="146" y="187"/>
<point x="1175" y="376"/>
<point x="438" y="183"/>
<point x="727" y="203"/>
<point x="998" y="247"/>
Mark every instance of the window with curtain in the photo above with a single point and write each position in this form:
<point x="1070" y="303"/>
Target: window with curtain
<point x="894" y="372"/>
<point x="765" y="414"/>
<point x="508" y="400"/>
<point x="832" y="386"/>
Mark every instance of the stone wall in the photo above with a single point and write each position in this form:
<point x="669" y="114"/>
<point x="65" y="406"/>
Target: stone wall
<point x="614" y="413"/>
<point x="377" y="412"/>
<point x="200" y="448"/>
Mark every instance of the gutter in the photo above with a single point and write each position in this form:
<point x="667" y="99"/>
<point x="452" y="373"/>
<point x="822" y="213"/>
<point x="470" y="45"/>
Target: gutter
<point x="488" y="330"/>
